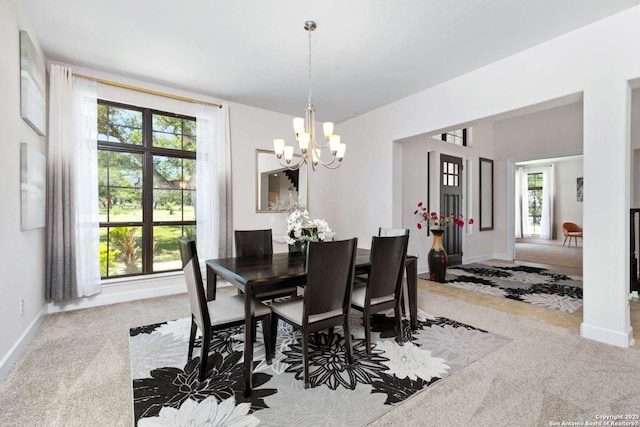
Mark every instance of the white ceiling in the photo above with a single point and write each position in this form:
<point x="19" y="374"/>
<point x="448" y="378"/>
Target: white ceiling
<point x="366" y="53"/>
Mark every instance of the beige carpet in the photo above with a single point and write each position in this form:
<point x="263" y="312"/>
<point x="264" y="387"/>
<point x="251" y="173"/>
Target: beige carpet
<point x="549" y="252"/>
<point x="76" y="372"/>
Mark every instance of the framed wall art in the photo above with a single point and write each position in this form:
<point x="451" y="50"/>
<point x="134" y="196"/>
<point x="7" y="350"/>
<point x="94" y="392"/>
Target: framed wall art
<point x="486" y="194"/>
<point x="33" y="107"/>
<point x="33" y="169"/>
<point x="579" y="189"/>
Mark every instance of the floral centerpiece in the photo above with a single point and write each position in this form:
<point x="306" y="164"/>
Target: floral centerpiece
<point x="302" y="229"/>
<point x="437" y="221"/>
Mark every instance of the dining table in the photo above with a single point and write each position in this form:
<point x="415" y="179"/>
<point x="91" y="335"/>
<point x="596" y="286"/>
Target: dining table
<point x="264" y="273"/>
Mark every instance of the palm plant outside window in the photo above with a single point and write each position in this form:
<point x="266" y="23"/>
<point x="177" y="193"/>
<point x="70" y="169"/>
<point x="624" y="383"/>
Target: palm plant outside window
<point x="146" y="187"/>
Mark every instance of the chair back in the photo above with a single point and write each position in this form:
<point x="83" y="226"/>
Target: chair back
<point x="387" y="261"/>
<point x="193" y="277"/>
<point x="392" y="232"/>
<point x="253" y="242"/>
<point x="570" y="227"/>
<point x="330" y="270"/>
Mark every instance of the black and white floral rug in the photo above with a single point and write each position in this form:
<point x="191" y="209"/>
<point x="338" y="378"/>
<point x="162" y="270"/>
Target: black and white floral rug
<point x="166" y="391"/>
<point x="533" y="285"/>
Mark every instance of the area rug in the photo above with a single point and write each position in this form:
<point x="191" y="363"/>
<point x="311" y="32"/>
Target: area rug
<point x="166" y="391"/>
<point x="532" y="285"/>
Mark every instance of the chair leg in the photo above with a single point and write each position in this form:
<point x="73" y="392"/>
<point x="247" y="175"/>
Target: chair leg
<point x="192" y="338"/>
<point x="347" y="340"/>
<point x="274" y="333"/>
<point x="366" y="317"/>
<point x="565" y="241"/>
<point x="266" y="334"/>
<point x="399" y="334"/>
<point x="305" y="356"/>
<point x="254" y="327"/>
<point x="204" y="352"/>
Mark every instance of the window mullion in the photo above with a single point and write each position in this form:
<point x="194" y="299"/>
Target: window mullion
<point x="147" y="195"/>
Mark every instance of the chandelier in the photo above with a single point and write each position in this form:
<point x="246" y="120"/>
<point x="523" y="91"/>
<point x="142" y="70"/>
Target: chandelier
<point x="313" y="151"/>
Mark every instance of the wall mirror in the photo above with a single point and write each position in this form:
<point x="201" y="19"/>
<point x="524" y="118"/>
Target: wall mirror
<point x="486" y="194"/>
<point x="278" y="188"/>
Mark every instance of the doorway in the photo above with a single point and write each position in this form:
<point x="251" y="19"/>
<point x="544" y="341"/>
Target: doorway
<point x="548" y="192"/>
<point x="451" y="204"/>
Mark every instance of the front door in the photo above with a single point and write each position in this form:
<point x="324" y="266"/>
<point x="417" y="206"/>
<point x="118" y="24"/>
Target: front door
<point x="451" y="203"/>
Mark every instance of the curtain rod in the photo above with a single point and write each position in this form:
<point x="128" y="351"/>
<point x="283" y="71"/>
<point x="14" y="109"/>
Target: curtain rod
<point x="149" y="91"/>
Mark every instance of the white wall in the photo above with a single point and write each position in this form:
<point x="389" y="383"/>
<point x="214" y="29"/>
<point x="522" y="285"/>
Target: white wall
<point x="567" y="208"/>
<point x="21" y="252"/>
<point x="548" y="133"/>
<point x="594" y="61"/>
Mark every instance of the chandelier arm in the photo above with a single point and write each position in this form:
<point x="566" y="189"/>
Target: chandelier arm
<point x="294" y="166"/>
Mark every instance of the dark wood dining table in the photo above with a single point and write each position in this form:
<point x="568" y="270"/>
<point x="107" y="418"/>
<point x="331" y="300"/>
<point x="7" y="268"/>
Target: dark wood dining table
<point x="270" y="272"/>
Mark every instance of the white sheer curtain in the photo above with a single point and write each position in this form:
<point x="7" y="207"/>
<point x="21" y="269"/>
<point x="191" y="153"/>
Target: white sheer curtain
<point x="213" y="182"/>
<point x="548" y="195"/>
<point x="522" y="204"/>
<point x="73" y="241"/>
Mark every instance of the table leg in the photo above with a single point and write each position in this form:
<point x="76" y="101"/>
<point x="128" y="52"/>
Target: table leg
<point x="411" y="267"/>
<point x="249" y="311"/>
<point x="212" y="283"/>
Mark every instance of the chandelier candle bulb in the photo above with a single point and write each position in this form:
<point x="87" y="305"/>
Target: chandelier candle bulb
<point x="334" y="143"/>
<point x="288" y="153"/>
<point x="278" y="147"/>
<point x="328" y="130"/>
<point x="342" y="147"/>
<point x="298" y="125"/>
<point x="303" y="141"/>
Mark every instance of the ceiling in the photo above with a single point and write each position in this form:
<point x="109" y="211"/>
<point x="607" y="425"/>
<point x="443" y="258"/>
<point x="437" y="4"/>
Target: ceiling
<point x="365" y="53"/>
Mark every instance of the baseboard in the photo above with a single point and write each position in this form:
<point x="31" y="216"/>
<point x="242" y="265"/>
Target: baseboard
<point x="14" y="353"/>
<point x="607" y="336"/>
<point x="117" y="295"/>
<point x="479" y="258"/>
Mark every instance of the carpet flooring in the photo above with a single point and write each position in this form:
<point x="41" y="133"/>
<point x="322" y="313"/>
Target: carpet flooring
<point x="77" y="371"/>
<point x="533" y="285"/>
<point x="166" y="390"/>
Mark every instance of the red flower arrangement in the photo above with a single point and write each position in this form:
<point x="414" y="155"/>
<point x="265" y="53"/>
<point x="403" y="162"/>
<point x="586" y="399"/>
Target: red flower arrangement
<point x="437" y="221"/>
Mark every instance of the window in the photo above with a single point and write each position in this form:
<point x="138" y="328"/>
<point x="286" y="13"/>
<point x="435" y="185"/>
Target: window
<point x="146" y="188"/>
<point x="534" y="190"/>
<point x="457" y="137"/>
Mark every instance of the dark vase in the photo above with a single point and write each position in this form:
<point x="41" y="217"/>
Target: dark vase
<point x="437" y="258"/>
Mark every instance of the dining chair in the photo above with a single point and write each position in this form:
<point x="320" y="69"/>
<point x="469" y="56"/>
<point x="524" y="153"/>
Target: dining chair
<point x="221" y="313"/>
<point x="383" y="290"/>
<point x="392" y="232"/>
<point x="255" y="243"/>
<point x="327" y="296"/>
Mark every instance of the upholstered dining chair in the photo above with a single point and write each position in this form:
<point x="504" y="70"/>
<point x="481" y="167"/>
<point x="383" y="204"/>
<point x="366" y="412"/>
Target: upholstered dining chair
<point x="571" y="231"/>
<point x="255" y="243"/>
<point x="392" y="232"/>
<point x="384" y="285"/>
<point x="209" y="316"/>
<point x="330" y="269"/>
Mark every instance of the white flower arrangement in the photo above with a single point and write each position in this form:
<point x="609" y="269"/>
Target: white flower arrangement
<point x="302" y="229"/>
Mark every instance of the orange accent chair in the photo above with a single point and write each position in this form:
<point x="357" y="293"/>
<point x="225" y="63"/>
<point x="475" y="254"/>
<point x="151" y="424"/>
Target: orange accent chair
<point x="571" y="230"/>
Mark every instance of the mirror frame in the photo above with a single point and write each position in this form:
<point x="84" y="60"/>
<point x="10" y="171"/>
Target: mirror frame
<point x="303" y="183"/>
<point x="486" y="194"/>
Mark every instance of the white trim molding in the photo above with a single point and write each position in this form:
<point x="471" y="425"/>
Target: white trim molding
<point x="607" y="336"/>
<point x="14" y="353"/>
